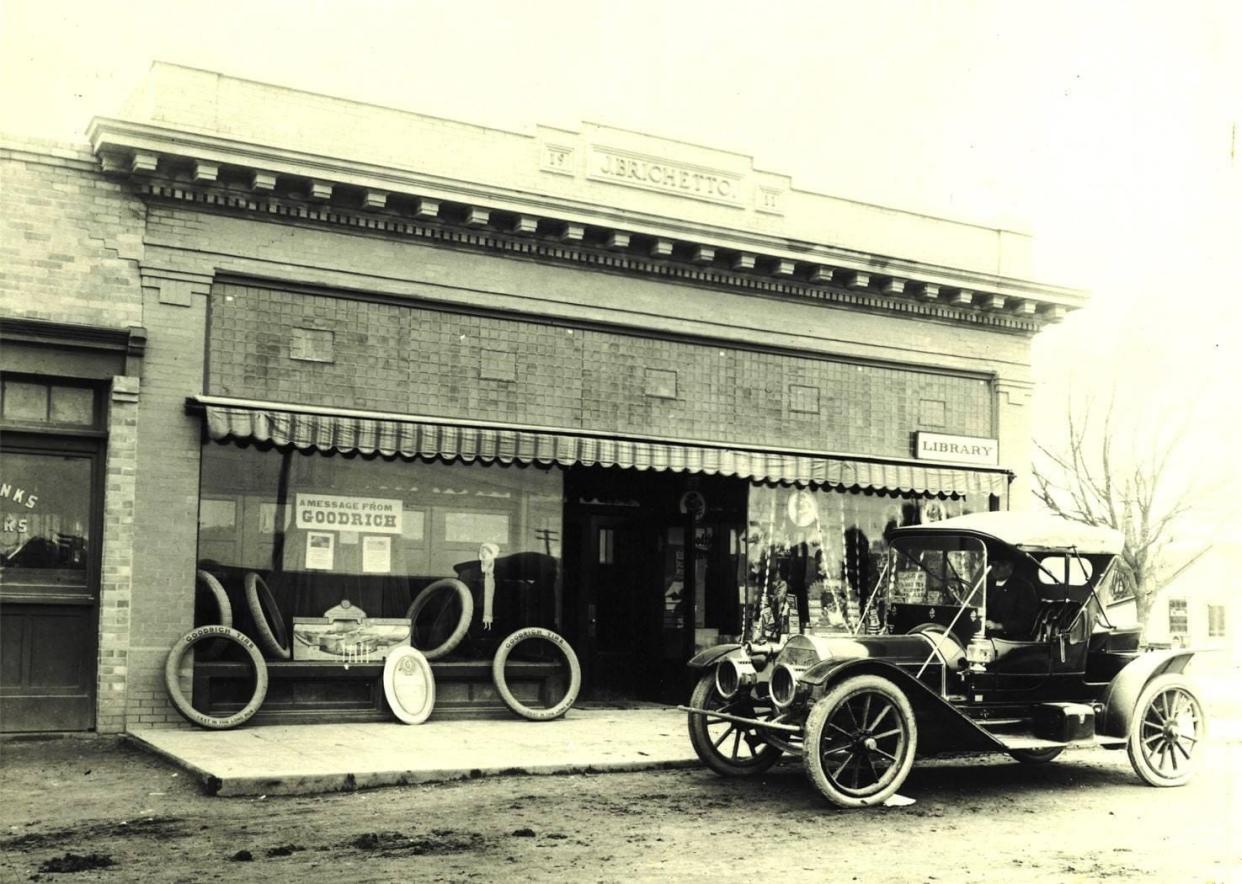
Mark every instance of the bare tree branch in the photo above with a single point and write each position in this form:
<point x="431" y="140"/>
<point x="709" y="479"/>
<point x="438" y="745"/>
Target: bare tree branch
<point x="1088" y="481"/>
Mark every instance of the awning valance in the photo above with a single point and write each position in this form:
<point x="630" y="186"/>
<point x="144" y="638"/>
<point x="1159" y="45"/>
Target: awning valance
<point x="400" y="436"/>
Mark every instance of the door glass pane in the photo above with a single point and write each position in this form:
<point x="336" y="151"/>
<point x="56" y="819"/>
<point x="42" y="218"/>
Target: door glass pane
<point x="25" y="401"/>
<point x="44" y="517"/>
<point x="73" y="405"/>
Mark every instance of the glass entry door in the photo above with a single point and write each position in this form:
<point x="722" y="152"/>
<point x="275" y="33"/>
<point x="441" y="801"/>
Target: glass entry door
<point x="49" y="584"/>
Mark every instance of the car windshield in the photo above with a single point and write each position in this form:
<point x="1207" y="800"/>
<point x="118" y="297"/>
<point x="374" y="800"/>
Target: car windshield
<point x="937" y="570"/>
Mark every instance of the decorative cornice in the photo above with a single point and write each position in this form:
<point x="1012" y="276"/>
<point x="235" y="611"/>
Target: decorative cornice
<point x="117" y="142"/>
<point x="556" y="248"/>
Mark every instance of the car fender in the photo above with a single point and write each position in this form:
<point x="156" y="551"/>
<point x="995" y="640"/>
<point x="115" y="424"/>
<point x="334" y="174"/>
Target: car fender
<point x="1123" y="691"/>
<point x="942" y="728"/>
<point x="706" y="658"/>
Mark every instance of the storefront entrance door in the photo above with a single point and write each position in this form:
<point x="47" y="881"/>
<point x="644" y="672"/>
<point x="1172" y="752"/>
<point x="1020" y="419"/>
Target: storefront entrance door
<point x="622" y="607"/>
<point x="48" y="584"/>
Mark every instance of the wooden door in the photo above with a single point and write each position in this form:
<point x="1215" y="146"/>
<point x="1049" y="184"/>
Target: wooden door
<point x="621" y="607"/>
<point x="49" y="583"/>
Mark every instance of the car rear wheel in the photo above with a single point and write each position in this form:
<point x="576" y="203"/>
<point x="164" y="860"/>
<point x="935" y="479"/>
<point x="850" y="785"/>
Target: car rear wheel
<point x="860" y="741"/>
<point x="729" y="748"/>
<point x="1167" y="731"/>
<point x="1036" y="756"/>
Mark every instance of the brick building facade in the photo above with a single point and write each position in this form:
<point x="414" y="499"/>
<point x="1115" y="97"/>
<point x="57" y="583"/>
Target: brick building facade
<point x="541" y="341"/>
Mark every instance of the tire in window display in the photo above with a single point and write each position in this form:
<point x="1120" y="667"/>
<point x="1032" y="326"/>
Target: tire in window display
<point x="172" y="676"/>
<point x="534" y="713"/>
<point x="458" y="632"/>
<point x="269" y="625"/>
<point x="409" y="685"/>
<point x="213" y="592"/>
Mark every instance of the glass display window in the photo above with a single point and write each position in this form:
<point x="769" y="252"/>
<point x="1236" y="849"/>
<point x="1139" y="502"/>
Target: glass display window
<point x="815" y="555"/>
<point x="322" y="529"/>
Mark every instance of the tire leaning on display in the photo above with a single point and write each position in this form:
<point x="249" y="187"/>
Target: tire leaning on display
<point x="502" y="686"/>
<point x="172" y="676"/>
<point x="269" y="626"/>
<point x="463" y="622"/>
<point x="206" y="581"/>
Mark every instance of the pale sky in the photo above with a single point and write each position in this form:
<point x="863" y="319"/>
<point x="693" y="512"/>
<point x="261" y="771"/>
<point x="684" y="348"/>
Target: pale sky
<point x="1106" y="129"/>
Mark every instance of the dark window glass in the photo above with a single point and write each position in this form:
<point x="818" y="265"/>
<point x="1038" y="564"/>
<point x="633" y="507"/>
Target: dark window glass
<point x="1216" y="621"/>
<point x="1179" y="620"/>
<point x="44" y="516"/>
<point x="28" y="401"/>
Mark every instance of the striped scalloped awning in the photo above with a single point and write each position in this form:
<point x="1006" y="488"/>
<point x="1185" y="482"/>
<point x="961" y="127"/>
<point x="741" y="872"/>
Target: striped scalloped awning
<point x="391" y="436"/>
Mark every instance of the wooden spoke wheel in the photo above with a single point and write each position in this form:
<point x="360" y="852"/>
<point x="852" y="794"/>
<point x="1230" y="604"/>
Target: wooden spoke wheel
<point x="1167" y="731"/>
<point x="730" y="748"/>
<point x="860" y="741"/>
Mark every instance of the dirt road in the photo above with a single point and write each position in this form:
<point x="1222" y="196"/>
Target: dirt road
<point x="86" y="810"/>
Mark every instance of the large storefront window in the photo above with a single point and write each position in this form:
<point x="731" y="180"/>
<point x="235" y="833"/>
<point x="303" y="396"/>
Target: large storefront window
<point x="325" y="530"/>
<point x="815" y="554"/>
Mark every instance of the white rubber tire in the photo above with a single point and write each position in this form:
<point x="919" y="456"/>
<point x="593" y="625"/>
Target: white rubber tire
<point x="268" y="631"/>
<point x="463" y="623"/>
<point x="224" y="609"/>
<point x="502" y="687"/>
<point x="1147" y="741"/>
<point x="172" y="676"/>
<point x="405" y="662"/>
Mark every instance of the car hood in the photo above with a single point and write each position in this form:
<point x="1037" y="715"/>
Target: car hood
<point x="807" y="650"/>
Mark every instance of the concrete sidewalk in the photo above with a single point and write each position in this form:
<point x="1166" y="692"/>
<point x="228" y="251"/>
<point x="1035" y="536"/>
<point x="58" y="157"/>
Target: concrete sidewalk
<point x="314" y="758"/>
<point x="308" y="759"/>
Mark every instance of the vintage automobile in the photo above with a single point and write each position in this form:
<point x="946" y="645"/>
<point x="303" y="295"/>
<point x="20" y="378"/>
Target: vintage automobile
<point x="981" y="660"/>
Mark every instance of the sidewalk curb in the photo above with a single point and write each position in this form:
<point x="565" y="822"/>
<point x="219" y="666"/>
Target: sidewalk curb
<point x="318" y="784"/>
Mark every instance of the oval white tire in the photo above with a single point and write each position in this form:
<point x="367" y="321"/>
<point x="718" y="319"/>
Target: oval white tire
<point x="1167" y="732"/>
<point x="463" y="622"/>
<point x="224" y="610"/>
<point x="270" y="631"/>
<point x="409" y="702"/>
<point x="868" y="719"/>
<point x="502" y="687"/>
<point x="172" y="676"/>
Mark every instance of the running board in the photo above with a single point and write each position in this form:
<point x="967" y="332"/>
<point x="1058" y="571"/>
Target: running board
<point x="1014" y="742"/>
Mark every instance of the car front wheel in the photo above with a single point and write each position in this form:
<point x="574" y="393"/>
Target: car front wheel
<point x="860" y="741"/>
<point x="729" y="748"/>
<point x="1167" y="731"/>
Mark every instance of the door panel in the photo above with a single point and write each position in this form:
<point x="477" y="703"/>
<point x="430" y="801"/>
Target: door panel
<point x="621" y="607"/>
<point x="48" y="585"/>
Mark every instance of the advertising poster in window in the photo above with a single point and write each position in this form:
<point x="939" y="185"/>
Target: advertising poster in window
<point x="320" y="550"/>
<point x="376" y="554"/>
<point x="327" y="512"/>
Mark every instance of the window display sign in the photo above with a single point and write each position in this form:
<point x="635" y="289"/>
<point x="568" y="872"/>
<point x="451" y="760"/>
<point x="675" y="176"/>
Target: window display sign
<point x="319" y="550"/>
<point x="324" y="512"/>
<point x="376" y="554"/>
